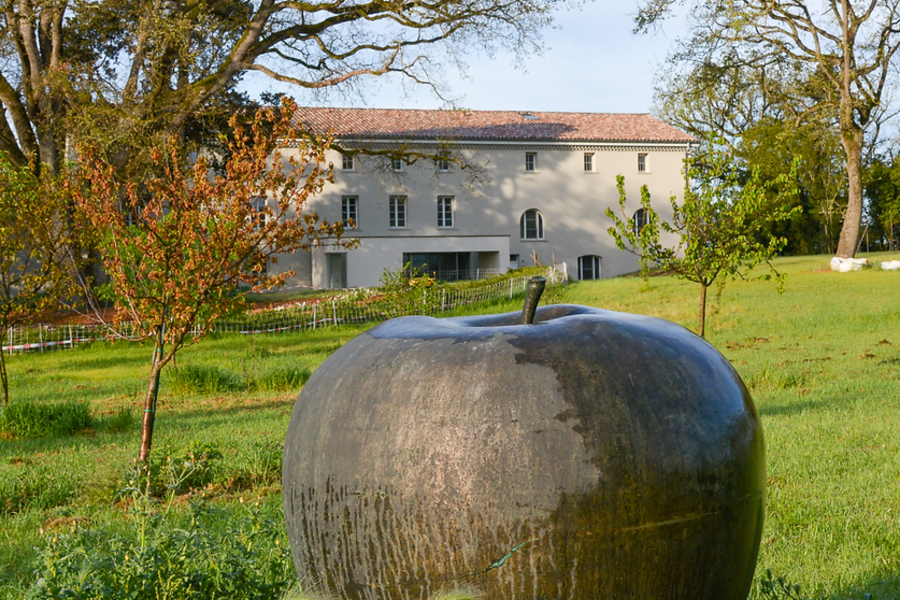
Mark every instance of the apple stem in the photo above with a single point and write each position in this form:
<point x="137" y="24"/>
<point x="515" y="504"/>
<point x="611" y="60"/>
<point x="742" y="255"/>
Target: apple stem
<point x="533" y="292"/>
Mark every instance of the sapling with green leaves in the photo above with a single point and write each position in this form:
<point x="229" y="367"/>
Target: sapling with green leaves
<point x="717" y="228"/>
<point x="186" y="240"/>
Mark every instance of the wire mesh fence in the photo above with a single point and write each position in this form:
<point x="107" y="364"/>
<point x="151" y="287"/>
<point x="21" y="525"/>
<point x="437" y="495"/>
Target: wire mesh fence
<point x="347" y="310"/>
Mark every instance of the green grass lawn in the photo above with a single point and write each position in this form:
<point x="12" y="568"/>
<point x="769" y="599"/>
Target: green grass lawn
<point x="822" y="361"/>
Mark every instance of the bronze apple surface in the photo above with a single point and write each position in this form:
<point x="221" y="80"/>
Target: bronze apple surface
<point x="590" y="455"/>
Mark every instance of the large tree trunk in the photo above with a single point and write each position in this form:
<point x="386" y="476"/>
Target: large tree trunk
<point x="852" y="140"/>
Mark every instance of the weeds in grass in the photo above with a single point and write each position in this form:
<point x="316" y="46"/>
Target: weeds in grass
<point x="33" y="487"/>
<point x="36" y="419"/>
<point x="282" y="379"/>
<point x="120" y="421"/>
<point x="776" y="379"/>
<point x="204" y="379"/>
<point x="776" y="588"/>
<point x="206" y="553"/>
<point x="261" y="462"/>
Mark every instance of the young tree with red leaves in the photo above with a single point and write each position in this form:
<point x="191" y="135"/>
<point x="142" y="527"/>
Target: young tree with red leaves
<point x="186" y="240"/>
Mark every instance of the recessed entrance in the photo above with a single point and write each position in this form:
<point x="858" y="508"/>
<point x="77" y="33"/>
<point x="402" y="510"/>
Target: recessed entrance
<point x="446" y="266"/>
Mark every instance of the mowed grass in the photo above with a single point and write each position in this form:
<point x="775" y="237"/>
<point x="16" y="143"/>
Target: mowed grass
<point x="822" y="361"/>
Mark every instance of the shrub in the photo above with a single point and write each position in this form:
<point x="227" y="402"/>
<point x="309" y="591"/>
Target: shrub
<point x="33" y="419"/>
<point x="196" y="379"/>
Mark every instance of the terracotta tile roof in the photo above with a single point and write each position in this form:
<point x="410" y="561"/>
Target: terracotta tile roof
<point x="378" y="123"/>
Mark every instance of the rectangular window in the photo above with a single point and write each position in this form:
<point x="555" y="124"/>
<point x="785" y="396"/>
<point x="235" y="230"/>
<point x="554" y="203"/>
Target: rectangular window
<point x="531" y="162"/>
<point x="588" y="268"/>
<point x="443" y="163"/>
<point x="397" y="164"/>
<point x="642" y="163"/>
<point x="397" y="212"/>
<point x="588" y="162"/>
<point x="445" y="211"/>
<point x="348" y="211"/>
<point x="347" y="162"/>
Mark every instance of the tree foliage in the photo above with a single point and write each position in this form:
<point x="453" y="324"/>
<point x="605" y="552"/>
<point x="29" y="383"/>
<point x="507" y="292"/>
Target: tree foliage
<point x="883" y="194"/>
<point x="771" y="146"/>
<point x="127" y="74"/>
<point x="840" y="52"/>
<point x="34" y="249"/>
<point x="186" y="240"/>
<point x="717" y="227"/>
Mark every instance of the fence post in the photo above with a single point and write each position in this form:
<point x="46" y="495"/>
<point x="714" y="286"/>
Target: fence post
<point x="333" y="314"/>
<point x="314" y="315"/>
<point x="71" y="339"/>
<point x="443" y="299"/>
<point x="41" y="336"/>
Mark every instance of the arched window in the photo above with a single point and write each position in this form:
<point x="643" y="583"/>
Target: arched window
<point x="640" y="219"/>
<point x="588" y="267"/>
<point x="531" y="225"/>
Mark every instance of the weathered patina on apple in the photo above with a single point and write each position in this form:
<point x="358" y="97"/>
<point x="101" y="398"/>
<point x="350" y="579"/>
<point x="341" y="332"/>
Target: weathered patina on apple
<point x="592" y="454"/>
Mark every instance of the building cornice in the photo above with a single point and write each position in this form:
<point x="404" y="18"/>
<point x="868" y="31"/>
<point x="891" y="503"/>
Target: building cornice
<point x="433" y="146"/>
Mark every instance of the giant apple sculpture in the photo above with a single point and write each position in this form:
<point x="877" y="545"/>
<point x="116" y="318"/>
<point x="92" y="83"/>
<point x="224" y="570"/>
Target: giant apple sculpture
<point x="591" y="455"/>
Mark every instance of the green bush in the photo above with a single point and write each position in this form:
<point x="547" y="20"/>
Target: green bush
<point x="208" y="553"/>
<point x="39" y="488"/>
<point x="201" y="379"/>
<point x="33" y="419"/>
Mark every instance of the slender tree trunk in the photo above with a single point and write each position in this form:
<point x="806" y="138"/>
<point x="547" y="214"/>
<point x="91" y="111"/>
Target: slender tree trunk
<point x="150" y="402"/>
<point x="4" y="382"/>
<point x="702" y="330"/>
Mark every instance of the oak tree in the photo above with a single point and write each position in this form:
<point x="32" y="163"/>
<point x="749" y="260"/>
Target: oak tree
<point x="185" y="240"/>
<point x="841" y="51"/>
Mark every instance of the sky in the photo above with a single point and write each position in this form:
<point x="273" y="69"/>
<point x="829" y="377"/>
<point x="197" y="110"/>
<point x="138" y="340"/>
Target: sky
<point x="592" y="62"/>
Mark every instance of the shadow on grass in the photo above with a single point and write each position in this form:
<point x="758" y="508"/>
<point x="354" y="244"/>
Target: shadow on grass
<point x="207" y="417"/>
<point x="792" y="408"/>
<point x="15" y="450"/>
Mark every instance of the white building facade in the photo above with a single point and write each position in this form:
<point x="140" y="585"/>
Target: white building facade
<point x="507" y="189"/>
